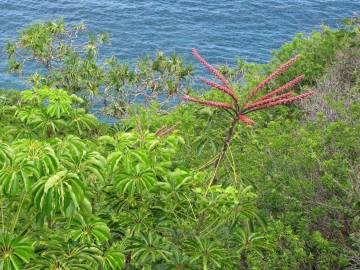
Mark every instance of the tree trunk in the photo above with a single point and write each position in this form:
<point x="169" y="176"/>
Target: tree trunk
<point x="226" y="144"/>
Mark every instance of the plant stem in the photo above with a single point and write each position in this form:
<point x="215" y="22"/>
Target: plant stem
<point x="18" y="211"/>
<point x="229" y="135"/>
<point x="2" y="216"/>
<point x="243" y="261"/>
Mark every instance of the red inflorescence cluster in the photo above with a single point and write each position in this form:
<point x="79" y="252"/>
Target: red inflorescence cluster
<point x="165" y="131"/>
<point x="222" y="105"/>
<point x="269" y="100"/>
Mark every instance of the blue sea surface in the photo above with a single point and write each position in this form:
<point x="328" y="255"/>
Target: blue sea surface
<point x="221" y="30"/>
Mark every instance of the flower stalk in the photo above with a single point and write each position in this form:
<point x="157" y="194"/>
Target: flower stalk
<point x="239" y="109"/>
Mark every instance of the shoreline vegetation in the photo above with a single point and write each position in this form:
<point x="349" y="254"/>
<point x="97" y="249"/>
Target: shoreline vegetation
<point x="203" y="184"/>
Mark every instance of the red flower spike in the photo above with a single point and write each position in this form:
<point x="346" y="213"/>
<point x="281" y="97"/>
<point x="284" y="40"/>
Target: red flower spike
<point x="162" y="131"/>
<point x="283" y="88"/>
<point x="286" y="100"/>
<point x="269" y="100"/>
<point x="225" y="89"/>
<point x="210" y="68"/>
<point x="278" y="71"/>
<point x="209" y="103"/>
<point x="159" y="131"/>
<point x="246" y="120"/>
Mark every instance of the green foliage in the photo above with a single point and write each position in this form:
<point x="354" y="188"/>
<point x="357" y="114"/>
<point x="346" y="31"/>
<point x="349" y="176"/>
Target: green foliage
<point x="205" y="253"/>
<point x="62" y="191"/>
<point x="90" y="230"/>
<point x="317" y="51"/>
<point x="288" y="250"/>
<point x="14" y="251"/>
<point x="148" y="248"/>
<point x="16" y="171"/>
<point x="78" y="194"/>
<point x="114" y="197"/>
<point x="45" y="112"/>
<point x="69" y="58"/>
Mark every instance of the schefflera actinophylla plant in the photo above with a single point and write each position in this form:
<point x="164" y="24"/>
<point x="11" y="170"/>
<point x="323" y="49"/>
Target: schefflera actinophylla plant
<point x="240" y="108"/>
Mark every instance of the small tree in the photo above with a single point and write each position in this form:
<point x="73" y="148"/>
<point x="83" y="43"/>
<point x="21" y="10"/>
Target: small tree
<point x="62" y="56"/>
<point x="239" y="108"/>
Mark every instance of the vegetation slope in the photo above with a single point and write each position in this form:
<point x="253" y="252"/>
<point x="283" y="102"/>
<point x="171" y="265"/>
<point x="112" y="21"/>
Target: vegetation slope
<point x="80" y="194"/>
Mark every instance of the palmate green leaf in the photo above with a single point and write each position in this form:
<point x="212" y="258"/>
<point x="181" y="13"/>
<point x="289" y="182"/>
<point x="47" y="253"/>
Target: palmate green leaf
<point x="113" y="161"/>
<point x="175" y="184"/>
<point x="30" y="95"/>
<point x="21" y="131"/>
<point x="54" y="264"/>
<point x="206" y="252"/>
<point x="136" y="221"/>
<point x="53" y="106"/>
<point x="15" y="173"/>
<point x="25" y="114"/>
<point x="70" y="144"/>
<point x="141" y="157"/>
<point x="178" y="260"/>
<point x="56" y="111"/>
<point x="107" y="140"/>
<point x="59" y="102"/>
<point x="135" y="174"/>
<point x="39" y="153"/>
<point x="6" y="153"/>
<point x="58" y="192"/>
<point x="245" y="240"/>
<point x="56" y="253"/>
<point x="90" y="230"/>
<point x="149" y="248"/>
<point x="121" y="141"/>
<point x="76" y="99"/>
<point x="14" y="251"/>
<point x="54" y="180"/>
<point x="85" y="163"/>
<point x="46" y="124"/>
<point x="113" y="259"/>
<point x="135" y="180"/>
<point x="82" y="121"/>
<point x="59" y="252"/>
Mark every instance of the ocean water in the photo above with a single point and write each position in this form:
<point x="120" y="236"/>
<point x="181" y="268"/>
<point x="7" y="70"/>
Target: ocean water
<point x="220" y="29"/>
